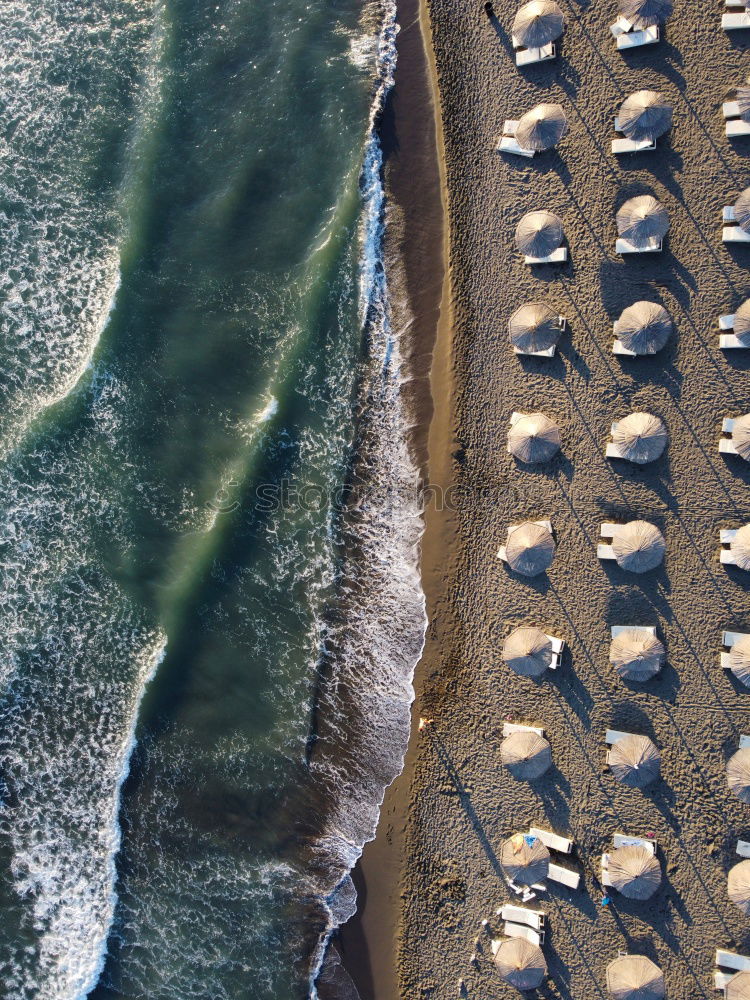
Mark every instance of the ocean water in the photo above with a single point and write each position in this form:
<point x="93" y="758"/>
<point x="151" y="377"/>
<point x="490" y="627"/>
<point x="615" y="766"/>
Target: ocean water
<point x="208" y="517"/>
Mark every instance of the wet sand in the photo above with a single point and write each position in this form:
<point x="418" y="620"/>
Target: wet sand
<point x="461" y="803"/>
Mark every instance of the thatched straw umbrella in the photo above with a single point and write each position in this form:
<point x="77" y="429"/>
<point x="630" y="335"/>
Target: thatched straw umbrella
<point x="740" y="547"/>
<point x="538" y="23"/>
<point x="521" y="963"/>
<point x="739" y="660"/>
<point x="641" y="437"/>
<point x="738" y="987"/>
<point x="644" y="327"/>
<point x="636" y="655"/>
<point x="528" y="651"/>
<point x="538" y="234"/>
<point x="530" y="549"/>
<point x="524" y="859"/>
<point x="741" y="436"/>
<point x="534" y="327"/>
<point x="645" y="115"/>
<point x="742" y="211"/>
<point x="542" y="127"/>
<point x="738" y="885"/>
<point x="527" y="755"/>
<point x="743" y="99"/>
<point x="742" y="314"/>
<point x="534" y="438"/>
<point x="635" y="977"/>
<point x="645" y="13"/>
<point x="638" y="546"/>
<point x="738" y="775"/>
<point x="642" y="219"/>
<point x="635" y="872"/>
<point x="634" y="760"/>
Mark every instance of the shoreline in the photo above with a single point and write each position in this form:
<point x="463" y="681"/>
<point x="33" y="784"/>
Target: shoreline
<point x="416" y="255"/>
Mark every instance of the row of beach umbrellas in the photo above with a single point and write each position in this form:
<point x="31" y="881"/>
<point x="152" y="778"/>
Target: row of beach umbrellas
<point x="640" y="437"/>
<point x="644" y="328"/>
<point x="542" y="21"/>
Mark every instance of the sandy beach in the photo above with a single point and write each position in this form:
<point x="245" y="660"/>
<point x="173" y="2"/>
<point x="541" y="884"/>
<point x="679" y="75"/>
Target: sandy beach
<point x="461" y="802"/>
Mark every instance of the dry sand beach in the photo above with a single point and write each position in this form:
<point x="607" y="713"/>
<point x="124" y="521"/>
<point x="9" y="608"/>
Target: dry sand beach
<point x="461" y="802"/>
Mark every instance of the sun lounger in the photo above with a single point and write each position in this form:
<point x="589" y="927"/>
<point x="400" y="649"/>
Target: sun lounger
<point x="565" y="876"/>
<point x="743" y="849"/>
<point x="730" y="109"/>
<point x="733" y="234"/>
<point x="605" y="876"/>
<point x="521" y="931"/>
<point x="508" y="142"/>
<point x="623" y="246"/>
<point x="726" y="445"/>
<point x="727" y="213"/>
<point x="730" y="960"/>
<point x="744" y="742"/>
<point x="603" y="549"/>
<point x="515" y="727"/>
<point x="619" y="629"/>
<point x="726" y="535"/>
<point x="621" y="26"/>
<point x="735" y="22"/>
<point x="726" y="322"/>
<point x="513" y="527"/>
<point x="527" y="57"/>
<point x="621" y="840"/>
<point x="620" y="146"/>
<point x="558" y="256"/>
<point x="619" y="348"/>
<point x="728" y="639"/>
<point x="634" y="39"/>
<point x="721" y="979"/>
<point x="736" y="128"/>
<point x="613" y="735"/>
<point x="552" y="840"/>
<point x="522" y="915"/>
<point x="728" y="341"/>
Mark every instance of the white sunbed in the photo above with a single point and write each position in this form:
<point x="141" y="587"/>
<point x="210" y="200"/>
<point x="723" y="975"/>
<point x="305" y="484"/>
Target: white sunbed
<point x="734" y="234"/>
<point x="565" y="876"/>
<point x="619" y="629"/>
<point x="735" y="21"/>
<point x="522" y="915"/>
<point x="515" y="727"/>
<point x="558" y="256"/>
<point x="514" y="527"/>
<point x="613" y="735"/>
<point x="630" y="145"/>
<point x="523" y="891"/>
<point x="522" y="931"/>
<point x="623" y="246"/>
<point x="727" y="341"/>
<point x="721" y="979"/>
<point x="604" y="550"/>
<point x="605" y="877"/>
<point x="527" y="57"/>
<point x="552" y="840"/>
<point x="613" y="450"/>
<point x="728" y="639"/>
<point x="621" y="26"/>
<point x="743" y="849"/>
<point x="726" y="535"/>
<point x="508" y="142"/>
<point x="736" y="127"/>
<point x="550" y="351"/>
<point x="619" y="348"/>
<point x="726" y="445"/>
<point x="622" y="840"/>
<point x="730" y="109"/>
<point x="744" y="742"/>
<point x="730" y="960"/>
<point x="634" y="39"/>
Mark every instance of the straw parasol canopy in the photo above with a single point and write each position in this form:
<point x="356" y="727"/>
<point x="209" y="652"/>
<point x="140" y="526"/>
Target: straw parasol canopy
<point x="635" y="977"/>
<point x="739" y="660"/>
<point x="738" y="885"/>
<point x="638" y="546"/>
<point x="524" y="859"/>
<point x="636" y="655"/>
<point x="645" y="115"/>
<point x="634" y="760"/>
<point x="742" y="211"/>
<point x="521" y="963"/>
<point x="741" y="436"/>
<point x="738" y="987"/>
<point x="644" y="327"/>
<point x="534" y="327"/>
<point x="635" y="872"/>
<point x="738" y="775"/>
<point x="527" y="755"/>
<point x="642" y="220"/>
<point x="538" y="23"/>
<point x="528" y="651"/>
<point x="534" y="438"/>
<point x="742" y="314"/>
<point x="743" y="99"/>
<point x="542" y="127"/>
<point x="641" y="437"/>
<point x="530" y="549"/>
<point x="539" y="233"/>
<point x="740" y="547"/>
<point x="644" y="13"/>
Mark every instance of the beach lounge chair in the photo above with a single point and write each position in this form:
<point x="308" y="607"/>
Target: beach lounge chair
<point x="728" y="639"/>
<point x="621" y="840"/>
<point x="634" y="39"/>
<point x="552" y="840"/>
<point x="619" y="629"/>
<point x="521" y="915"/>
<point x="721" y="979"/>
<point x="619" y="348"/>
<point x="726" y="536"/>
<point x="726" y="445"/>
<point x="623" y="246"/>
<point x="626" y="145"/>
<point x="515" y="727"/>
<point x="520" y="930"/>
<point x="621" y="26"/>
<point x="604" y="549"/>
<point x="558" y="256"/>
<point x="732" y="233"/>
<point x="613" y="735"/>
<point x="735" y="21"/>
<point x="744" y="742"/>
<point x="527" y="57"/>
<point x="735" y="126"/>
<point x="731" y="960"/>
<point x="508" y="142"/>
<point x="604" y="876"/>
<point x="729" y="340"/>
<point x="743" y="849"/>
<point x="565" y="876"/>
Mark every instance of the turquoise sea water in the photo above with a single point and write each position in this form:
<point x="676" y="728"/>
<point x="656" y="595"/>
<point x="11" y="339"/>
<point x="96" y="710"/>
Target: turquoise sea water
<point x="210" y="606"/>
